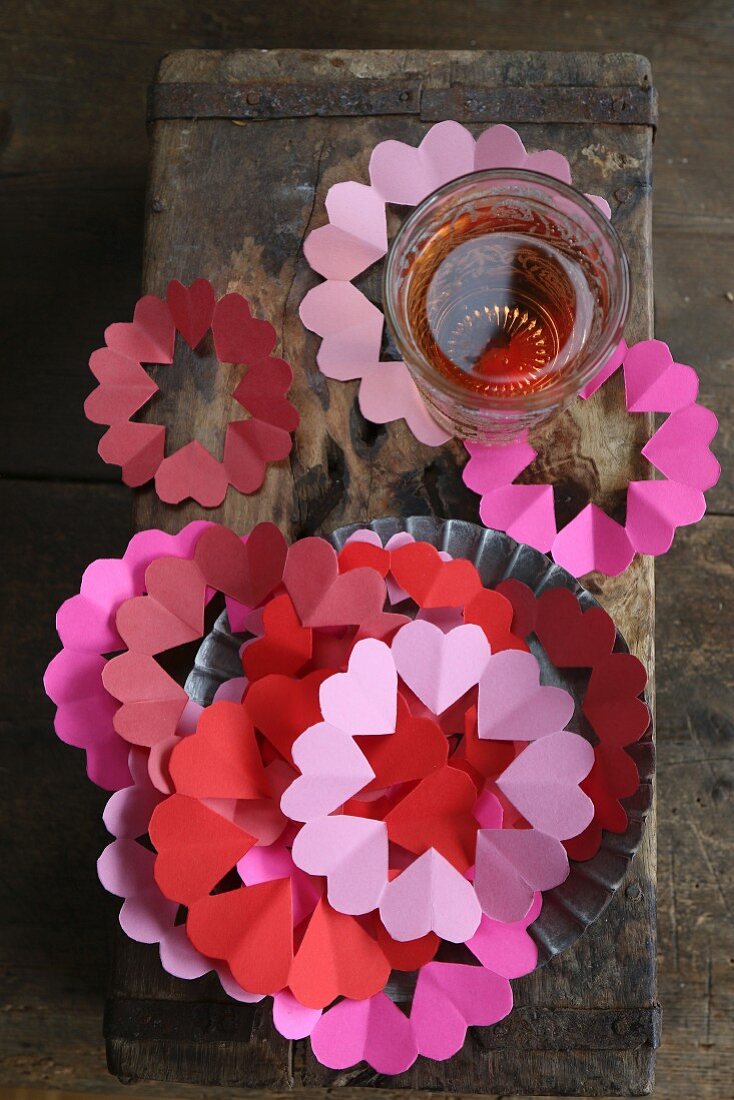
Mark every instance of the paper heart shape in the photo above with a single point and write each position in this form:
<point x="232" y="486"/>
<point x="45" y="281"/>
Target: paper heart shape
<point x="249" y="571"/>
<point x="430" y="896"/>
<point x="249" y="447"/>
<point x="512" y="704"/>
<point x="679" y="449"/>
<point x="419" y="569"/>
<point x="265" y="863"/>
<point x="152" y="702"/>
<point x="251" y="930"/>
<point x="410" y="955"/>
<point x="283" y="708"/>
<point x="654" y="382"/>
<point x="512" y="864"/>
<point x="238" y="336"/>
<point x="523" y="603"/>
<point x="196" y="848"/>
<point x="124" y="387"/>
<point x="655" y="509"/>
<point x="352" y="853"/>
<point x="290" y="1018"/>
<point x="354" y="238"/>
<point x="263" y="391"/>
<point x="191" y="472"/>
<point x="525" y="512"/>
<point x="572" y="637"/>
<point x="449" y="998"/>
<point x="222" y="759"/>
<point x="350" y="326"/>
<point x="486" y="759"/>
<point x="333" y="769"/>
<point x="416" y="749"/>
<point x="439" y="667"/>
<point x="171" y="614"/>
<point x="494" y="613"/>
<point x="489" y="468"/>
<point x="357" y="555"/>
<point x="388" y="392"/>
<point x="137" y="448"/>
<point x="507" y="949"/>
<point x="150" y="337"/>
<point x="543" y="784"/>
<point x="373" y="1030"/>
<point x="192" y="308"/>
<point x="285" y="646"/>
<point x="323" y="597"/>
<point x="593" y="540"/>
<point x="405" y="175"/>
<point x="611" y="703"/>
<point x="337" y="958"/>
<point x="363" y="700"/>
<point x="437" y="813"/>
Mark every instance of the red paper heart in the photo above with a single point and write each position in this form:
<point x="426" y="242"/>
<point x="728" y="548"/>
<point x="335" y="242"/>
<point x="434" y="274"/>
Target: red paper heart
<point x="285" y="646"/>
<point x="173" y="611"/>
<point x="238" y="336"/>
<point x="249" y="447"/>
<point x="263" y="393"/>
<point x="486" y="758"/>
<point x="152" y="701"/>
<point x="437" y="813"/>
<point x="383" y="627"/>
<point x="613" y="776"/>
<point x="248" y="572"/>
<point x="196" y="847"/>
<point x="360" y="555"/>
<point x="572" y="637"/>
<point x="409" y="955"/>
<point x="137" y="448"/>
<point x="494" y="613"/>
<point x="611" y="703"/>
<point x="323" y="597"/>
<point x="523" y="603"/>
<point x="417" y="748"/>
<point x="222" y="759"/>
<point x="431" y="582"/>
<point x="191" y="472"/>
<point x="337" y="958"/>
<point x="192" y="308"/>
<point x="251" y="929"/>
<point x="149" y="338"/>
<point x="282" y="708"/>
<point x="124" y="387"/>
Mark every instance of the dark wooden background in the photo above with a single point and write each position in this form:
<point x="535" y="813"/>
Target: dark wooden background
<point x="72" y="180"/>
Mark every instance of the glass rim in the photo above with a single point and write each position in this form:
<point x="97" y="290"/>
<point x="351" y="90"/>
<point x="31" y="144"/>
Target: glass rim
<point x="563" y="387"/>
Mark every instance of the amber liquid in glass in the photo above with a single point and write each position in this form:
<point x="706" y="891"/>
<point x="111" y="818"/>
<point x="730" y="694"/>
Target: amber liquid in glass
<point x="497" y="312"/>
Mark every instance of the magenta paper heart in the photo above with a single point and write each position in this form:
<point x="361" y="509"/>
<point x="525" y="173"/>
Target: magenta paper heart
<point x="449" y="998"/>
<point x="292" y="1019"/>
<point x="593" y="540"/>
<point x="137" y="448"/>
<point x="430" y="896"/>
<point x="654" y="382"/>
<point x="656" y="508"/>
<point x="679" y="449"/>
<point x="249" y="445"/>
<point x="490" y="468"/>
<point x="374" y="1031"/>
<point x="613" y="363"/>
<point x="124" y="387"/>
<point x="352" y="853"/>
<point x="191" y="472"/>
<point x="439" y="667"/>
<point x="405" y="175"/>
<point x="364" y="699"/>
<point x="355" y="236"/>
<point x="512" y="864"/>
<point x="387" y="392"/>
<point x="350" y="327"/>
<point x="512" y="704"/>
<point x="149" y="338"/>
<point x="333" y="769"/>
<point x="525" y="512"/>
<point x="542" y="784"/>
<point x="87" y="621"/>
<point x="507" y="949"/>
<point x="192" y="308"/>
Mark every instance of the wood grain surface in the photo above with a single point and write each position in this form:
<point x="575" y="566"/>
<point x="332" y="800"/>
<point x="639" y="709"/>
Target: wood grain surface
<point x="74" y="156"/>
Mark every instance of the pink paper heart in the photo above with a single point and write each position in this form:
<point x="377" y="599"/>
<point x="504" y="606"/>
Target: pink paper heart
<point x="512" y="704"/>
<point x="137" y="448"/>
<point x="249" y="445"/>
<point x="149" y="338"/>
<point x="333" y="769"/>
<point x="507" y="949"/>
<point x="499" y="147"/>
<point x="363" y="700"/>
<point x="542" y="783"/>
<point x="350" y="327"/>
<point x="192" y="308"/>
<point x="430" y="896"/>
<point x="656" y="508"/>
<point x="654" y="382"/>
<point x="373" y="1030"/>
<point x="512" y="864"/>
<point x="439" y="667"/>
<point x="152" y="701"/>
<point x="593" y="540"/>
<point x="613" y="363"/>
<point x="352" y="853"/>
<point x="355" y="237"/>
<point x="292" y="1019"/>
<point x="679" y="449"/>
<point x="525" y="512"/>
<point x="405" y="175"/>
<point x="124" y="387"/>
<point x="387" y="392"/>
<point x="490" y="468"/>
<point x="191" y="472"/>
<point x="449" y="998"/>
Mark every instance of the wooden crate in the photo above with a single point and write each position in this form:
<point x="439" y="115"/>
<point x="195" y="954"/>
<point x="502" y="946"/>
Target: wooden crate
<point x="244" y="147"/>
